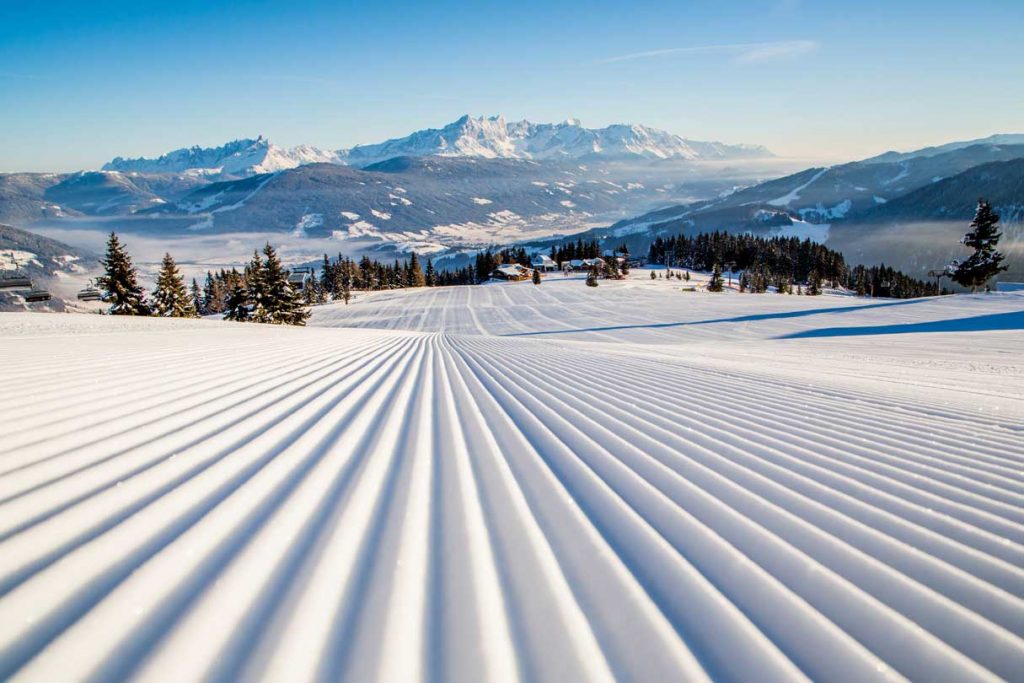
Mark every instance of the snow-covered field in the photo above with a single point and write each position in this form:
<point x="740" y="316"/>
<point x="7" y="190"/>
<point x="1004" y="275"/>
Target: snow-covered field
<point x="518" y="482"/>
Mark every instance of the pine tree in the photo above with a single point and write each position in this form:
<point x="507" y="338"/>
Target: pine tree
<point x="313" y="292"/>
<point x="197" y="298"/>
<point x="814" y="284"/>
<point x="536" y="276"/>
<point x="282" y="304"/>
<point x="654" y="275"/>
<point x="592" y="277"/>
<point x="416" y="277"/>
<point x="214" y="294"/>
<point x="986" y="261"/>
<point x="257" y="296"/>
<point x="431" y="276"/>
<point x="120" y="282"/>
<point x="715" y="284"/>
<point x="171" y="298"/>
<point x="237" y="305"/>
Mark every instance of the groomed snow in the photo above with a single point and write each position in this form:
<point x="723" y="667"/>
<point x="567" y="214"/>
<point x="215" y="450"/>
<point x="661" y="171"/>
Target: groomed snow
<point x="518" y="482"/>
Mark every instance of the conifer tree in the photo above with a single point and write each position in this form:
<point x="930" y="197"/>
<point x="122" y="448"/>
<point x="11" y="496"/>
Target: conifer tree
<point x="416" y="277"/>
<point x="431" y="276"/>
<point x="171" y="299"/>
<point x="282" y="305"/>
<point x="257" y="296"/>
<point x="715" y="284"/>
<point x="214" y="294"/>
<point x="986" y="261"/>
<point x="536" y="276"/>
<point x="592" y="277"/>
<point x="197" y="298"/>
<point x="654" y="276"/>
<point x="120" y="282"/>
<point x="313" y="292"/>
<point x="814" y="284"/>
<point x="237" y="305"/>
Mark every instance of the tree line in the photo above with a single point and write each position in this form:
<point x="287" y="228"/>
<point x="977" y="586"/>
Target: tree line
<point x="786" y="263"/>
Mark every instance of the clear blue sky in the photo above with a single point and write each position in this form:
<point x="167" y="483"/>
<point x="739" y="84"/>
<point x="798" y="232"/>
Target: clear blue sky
<point x="81" y="82"/>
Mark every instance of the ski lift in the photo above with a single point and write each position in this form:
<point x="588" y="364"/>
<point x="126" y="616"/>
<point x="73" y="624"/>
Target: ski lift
<point x="10" y="281"/>
<point x="36" y="295"/>
<point x="90" y="293"/>
<point x="13" y="279"/>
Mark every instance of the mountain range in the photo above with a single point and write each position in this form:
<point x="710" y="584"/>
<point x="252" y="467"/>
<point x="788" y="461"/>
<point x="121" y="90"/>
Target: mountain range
<point x="485" y="181"/>
<point x="485" y="138"/>
<point x="905" y="209"/>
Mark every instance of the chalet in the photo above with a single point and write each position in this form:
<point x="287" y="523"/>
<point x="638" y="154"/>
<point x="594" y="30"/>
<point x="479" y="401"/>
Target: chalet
<point x="593" y="263"/>
<point x="511" y="271"/>
<point x="300" y="277"/>
<point x="543" y="263"/>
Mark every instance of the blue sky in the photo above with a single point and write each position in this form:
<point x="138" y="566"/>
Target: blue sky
<point x="81" y="82"/>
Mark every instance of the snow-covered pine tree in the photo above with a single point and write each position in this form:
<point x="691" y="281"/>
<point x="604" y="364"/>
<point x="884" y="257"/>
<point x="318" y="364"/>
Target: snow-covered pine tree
<point x="715" y="284"/>
<point x="197" y="298"/>
<point x="237" y="305"/>
<point x="257" y="296"/>
<point x="120" y="282"/>
<point x="313" y="293"/>
<point x="536" y="276"/>
<point x="214" y="294"/>
<point x="282" y="305"/>
<point x="416" y="277"/>
<point x="170" y="298"/>
<point x="814" y="283"/>
<point x="986" y="261"/>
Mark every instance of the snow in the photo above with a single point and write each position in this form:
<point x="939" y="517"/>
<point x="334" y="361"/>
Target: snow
<point x="794" y="194"/>
<point x="382" y="215"/>
<point x="350" y="215"/>
<point x="481" y="201"/>
<point x="518" y="482"/>
<point x="307" y="222"/>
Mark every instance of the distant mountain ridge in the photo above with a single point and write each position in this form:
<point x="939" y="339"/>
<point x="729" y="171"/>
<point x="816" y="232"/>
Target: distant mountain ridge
<point x="237" y="158"/>
<point x="488" y="138"/>
<point x="494" y="137"/>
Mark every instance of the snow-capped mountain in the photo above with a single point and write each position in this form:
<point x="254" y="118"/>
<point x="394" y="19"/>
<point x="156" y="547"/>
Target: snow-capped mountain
<point x="237" y="158"/>
<point x="488" y="138"/>
<point x="494" y="137"/>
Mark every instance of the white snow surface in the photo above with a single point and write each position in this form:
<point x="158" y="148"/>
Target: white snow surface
<point x="518" y="482"/>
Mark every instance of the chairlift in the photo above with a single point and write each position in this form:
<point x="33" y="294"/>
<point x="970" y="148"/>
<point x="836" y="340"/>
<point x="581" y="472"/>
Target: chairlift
<point x="10" y="281"/>
<point x="13" y="278"/>
<point x="90" y="293"/>
<point x="36" y="295"/>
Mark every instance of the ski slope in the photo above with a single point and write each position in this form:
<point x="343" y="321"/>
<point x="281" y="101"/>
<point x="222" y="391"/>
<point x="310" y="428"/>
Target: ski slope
<point x="515" y="482"/>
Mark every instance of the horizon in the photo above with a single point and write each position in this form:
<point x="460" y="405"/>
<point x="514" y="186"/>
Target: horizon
<point x="86" y="84"/>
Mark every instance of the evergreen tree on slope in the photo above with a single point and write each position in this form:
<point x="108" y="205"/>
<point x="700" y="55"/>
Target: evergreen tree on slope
<point x="282" y="304"/>
<point x="120" y="282"/>
<point x="986" y="261"/>
<point x="416" y="277"/>
<point x="197" y="298"/>
<point x="171" y="299"/>
<point x="715" y="284"/>
<point x="237" y="305"/>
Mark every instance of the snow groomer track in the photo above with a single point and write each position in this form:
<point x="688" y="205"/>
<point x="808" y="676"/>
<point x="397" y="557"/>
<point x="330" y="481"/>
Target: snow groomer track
<point x="518" y="483"/>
